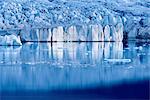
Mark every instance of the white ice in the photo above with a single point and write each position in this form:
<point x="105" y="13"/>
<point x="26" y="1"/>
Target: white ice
<point x="113" y="17"/>
<point x="10" y="40"/>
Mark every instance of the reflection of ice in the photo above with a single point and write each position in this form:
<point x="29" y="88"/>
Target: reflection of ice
<point x="9" y="55"/>
<point x="57" y="51"/>
<point x="41" y="54"/>
<point x="61" y="52"/>
<point x="117" y="50"/>
<point x="107" y="50"/>
<point x="95" y="51"/>
<point x="36" y="66"/>
<point x="81" y="53"/>
<point x="28" y="53"/>
<point x="101" y="50"/>
<point x="71" y="49"/>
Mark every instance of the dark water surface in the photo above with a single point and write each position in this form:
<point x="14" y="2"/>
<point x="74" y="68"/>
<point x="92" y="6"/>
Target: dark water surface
<point x="95" y="70"/>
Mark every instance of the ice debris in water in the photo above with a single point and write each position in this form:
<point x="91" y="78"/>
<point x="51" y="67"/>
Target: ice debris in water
<point x="118" y="61"/>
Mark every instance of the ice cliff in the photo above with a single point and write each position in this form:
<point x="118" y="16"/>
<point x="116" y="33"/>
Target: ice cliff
<point x="74" y="20"/>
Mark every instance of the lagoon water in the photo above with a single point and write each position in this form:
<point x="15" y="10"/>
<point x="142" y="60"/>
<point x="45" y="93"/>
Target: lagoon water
<point x="75" y="70"/>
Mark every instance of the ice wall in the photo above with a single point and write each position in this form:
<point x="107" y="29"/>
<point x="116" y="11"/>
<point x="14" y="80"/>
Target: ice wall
<point x="72" y="33"/>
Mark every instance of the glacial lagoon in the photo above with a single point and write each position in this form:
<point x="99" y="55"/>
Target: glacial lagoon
<point x="73" y="49"/>
<point x="69" y="66"/>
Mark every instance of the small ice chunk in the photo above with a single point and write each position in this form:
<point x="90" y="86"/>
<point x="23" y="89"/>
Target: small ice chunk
<point x="107" y="50"/>
<point x="118" y="61"/>
<point x="117" y="50"/>
<point x="130" y="67"/>
<point x="138" y="48"/>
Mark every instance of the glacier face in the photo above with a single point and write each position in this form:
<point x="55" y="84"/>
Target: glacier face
<point x="111" y="18"/>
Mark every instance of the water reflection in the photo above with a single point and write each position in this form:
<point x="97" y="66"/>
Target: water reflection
<point x="61" y="65"/>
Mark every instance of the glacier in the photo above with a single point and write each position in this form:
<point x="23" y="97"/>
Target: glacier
<point x="73" y="20"/>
